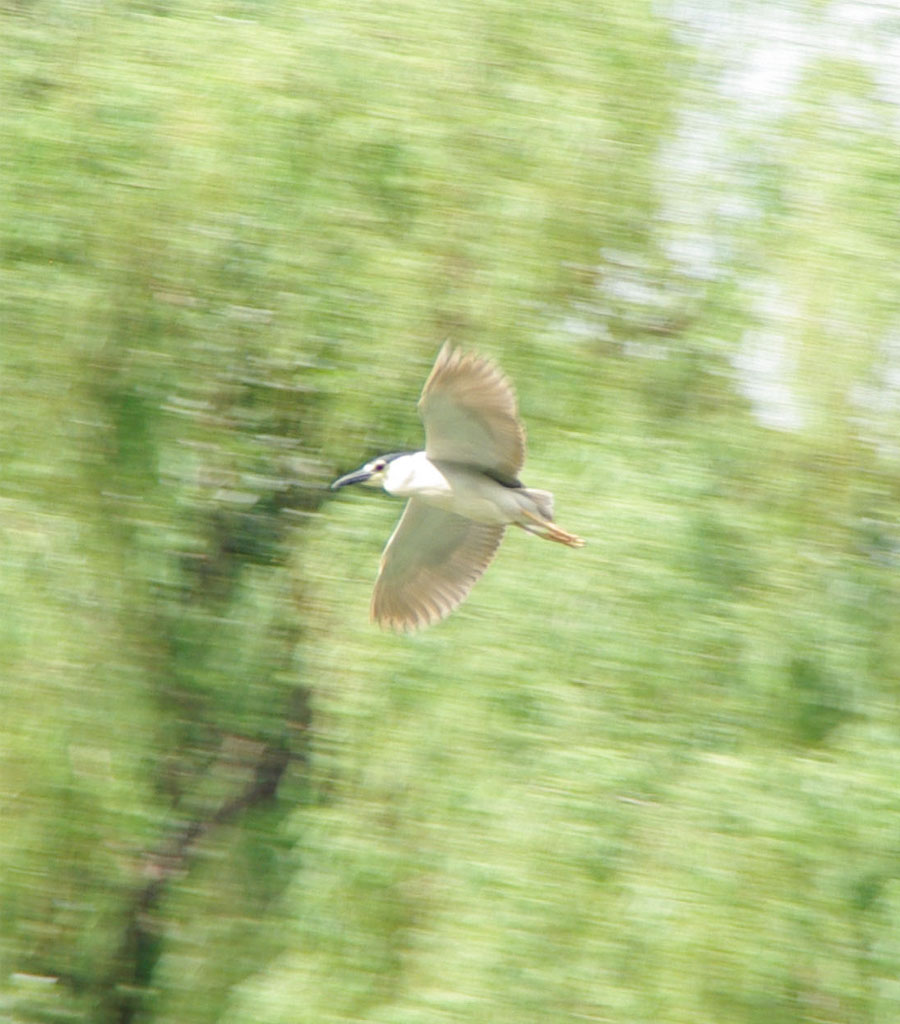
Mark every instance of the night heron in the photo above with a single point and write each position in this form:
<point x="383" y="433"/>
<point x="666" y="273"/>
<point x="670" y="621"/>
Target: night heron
<point x="463" y="492"/>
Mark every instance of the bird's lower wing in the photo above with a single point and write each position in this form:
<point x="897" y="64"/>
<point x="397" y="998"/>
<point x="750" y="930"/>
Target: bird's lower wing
<point x="429" y="565"/>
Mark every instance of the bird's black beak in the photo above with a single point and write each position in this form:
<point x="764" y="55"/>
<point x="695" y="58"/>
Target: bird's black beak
<point x="358" y="476"/>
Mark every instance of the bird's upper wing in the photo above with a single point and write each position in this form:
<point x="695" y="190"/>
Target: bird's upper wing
<point x="429" y="565"/>
<point x="470" y="415"/>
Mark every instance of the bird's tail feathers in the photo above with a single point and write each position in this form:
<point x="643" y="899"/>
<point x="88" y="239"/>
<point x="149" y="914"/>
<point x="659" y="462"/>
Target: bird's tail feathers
<point x="543" y="501"/>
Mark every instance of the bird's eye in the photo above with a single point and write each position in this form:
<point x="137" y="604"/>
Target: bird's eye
<point x="379" y="465"/>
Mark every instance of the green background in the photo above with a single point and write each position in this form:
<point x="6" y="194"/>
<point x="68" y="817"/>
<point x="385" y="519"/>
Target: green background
<point x="653" y="780"/>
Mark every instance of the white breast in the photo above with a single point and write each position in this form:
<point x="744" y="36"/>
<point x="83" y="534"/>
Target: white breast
<point x="467" y="492"/>
<point x="415" y="474"/>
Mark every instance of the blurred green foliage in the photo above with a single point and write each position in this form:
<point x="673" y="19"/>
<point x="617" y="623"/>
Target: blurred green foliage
<point x="653" y="780"/>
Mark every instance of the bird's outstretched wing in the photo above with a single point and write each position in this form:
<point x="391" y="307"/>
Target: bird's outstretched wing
<point x="429" y="565"/>
<point x="470" y="415"/>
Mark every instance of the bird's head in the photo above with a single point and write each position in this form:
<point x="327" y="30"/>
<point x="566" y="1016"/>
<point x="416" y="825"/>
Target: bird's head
<point x="372" y="474"/>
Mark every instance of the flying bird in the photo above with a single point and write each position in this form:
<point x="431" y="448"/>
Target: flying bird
<point x="463" y="492"/>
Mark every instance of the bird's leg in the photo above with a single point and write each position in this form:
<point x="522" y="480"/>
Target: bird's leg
<point x="550" y="531"/>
